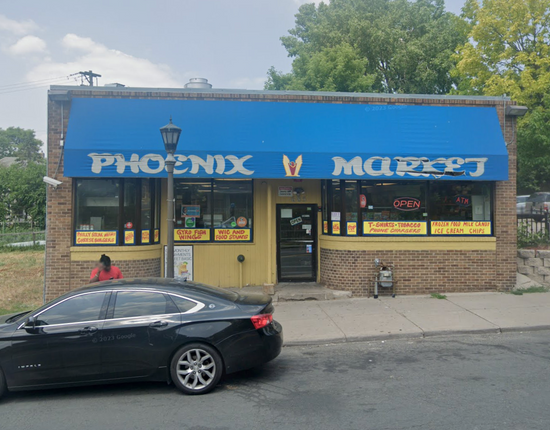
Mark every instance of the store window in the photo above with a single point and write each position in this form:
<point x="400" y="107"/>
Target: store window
<point x="116" y="211"/>
<point x="407" y="208"/>
<point x="214" y="210"/>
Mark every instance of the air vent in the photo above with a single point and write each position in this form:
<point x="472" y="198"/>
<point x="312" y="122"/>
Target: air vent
<point x="198" y="83"/>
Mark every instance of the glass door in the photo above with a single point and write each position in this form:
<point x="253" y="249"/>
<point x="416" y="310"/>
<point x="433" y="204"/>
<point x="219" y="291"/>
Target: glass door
<point x="296" y="243"/>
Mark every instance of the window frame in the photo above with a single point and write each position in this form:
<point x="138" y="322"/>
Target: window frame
<point x="212" y="228"/>
<point x="328" y="209"/>
<point x="155" y="190"/>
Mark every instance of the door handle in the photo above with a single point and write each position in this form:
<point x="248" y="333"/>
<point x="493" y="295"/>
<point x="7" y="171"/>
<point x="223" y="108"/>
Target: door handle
<point x="88" y="330"/>
<point x="158" y="324"/>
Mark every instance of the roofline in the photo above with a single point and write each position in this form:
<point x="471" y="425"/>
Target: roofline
<point x="67" y="90"/>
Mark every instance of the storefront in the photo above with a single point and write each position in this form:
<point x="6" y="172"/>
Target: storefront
<point x="306" y="186"/>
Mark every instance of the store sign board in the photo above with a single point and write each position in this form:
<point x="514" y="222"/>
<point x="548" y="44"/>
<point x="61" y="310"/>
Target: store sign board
<point x="96" y="238"/>
<point x="430" y="143"/>
<point x="460" y="228"/>
<point x="325" y="227"/>
<point x="336" y="227"/>
<point x="157" y="235"/>
<point x="232" y="234"/>
<point x="191" y="235"/>
<point x="395" y="228"/>
<point x="183" y="262"/>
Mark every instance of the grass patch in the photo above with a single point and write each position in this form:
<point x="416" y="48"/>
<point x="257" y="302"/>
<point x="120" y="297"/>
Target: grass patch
<point x="21" y="280"/>
<point x="438" y="296"/>
<point x="18" y="249"/>
<point x="530" y="290"/>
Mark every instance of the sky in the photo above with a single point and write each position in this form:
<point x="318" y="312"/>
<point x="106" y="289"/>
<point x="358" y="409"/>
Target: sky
<point x="161" y="43"/>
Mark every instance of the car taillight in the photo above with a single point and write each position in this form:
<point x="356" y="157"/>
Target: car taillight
<point x="261" y="320"/>
<point x="546" y="207"/>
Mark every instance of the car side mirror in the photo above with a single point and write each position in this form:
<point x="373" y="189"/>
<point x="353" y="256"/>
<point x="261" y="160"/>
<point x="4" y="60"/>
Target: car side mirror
<point x="30" y="324"/>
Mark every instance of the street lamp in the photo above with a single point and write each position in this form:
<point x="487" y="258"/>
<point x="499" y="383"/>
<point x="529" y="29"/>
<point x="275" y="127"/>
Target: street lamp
<point x="170" y="135"/>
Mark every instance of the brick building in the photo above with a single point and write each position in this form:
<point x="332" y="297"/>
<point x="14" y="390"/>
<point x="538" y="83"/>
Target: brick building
<point x="306" y="186"/>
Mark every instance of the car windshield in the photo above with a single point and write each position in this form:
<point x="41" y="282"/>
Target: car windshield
<point x="538" y="198"/>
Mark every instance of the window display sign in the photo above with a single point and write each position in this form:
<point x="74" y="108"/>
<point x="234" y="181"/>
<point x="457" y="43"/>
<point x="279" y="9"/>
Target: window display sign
<point x="183" y="262"/>
<point x="463" y="201"/>
<point x="398" y="228"/>
<point x="157" y="236"/>
<point x="191" y="211"/>
<point x="232" y="234"/>
<point x="96" y="238"/>
<point x="325" y="226"/>
<point x="129" y="237"/>
<point x="192" y="235"/>
<point x="461" y="228"/>
<point x="406" y="204"/>
<point x="285" y="191"/>
<point x="352" y="229"/>
<point x="242" y="221"/>
<point x="363" y="200"/>
<point x="145" y="236"/>
<point x="336" y="227"/>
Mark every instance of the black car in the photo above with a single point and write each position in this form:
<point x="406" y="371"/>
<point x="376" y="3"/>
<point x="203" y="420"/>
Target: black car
<point x="138" y="330"/>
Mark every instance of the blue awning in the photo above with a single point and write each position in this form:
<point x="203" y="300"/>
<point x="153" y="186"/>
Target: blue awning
<point x="245" y="139"/>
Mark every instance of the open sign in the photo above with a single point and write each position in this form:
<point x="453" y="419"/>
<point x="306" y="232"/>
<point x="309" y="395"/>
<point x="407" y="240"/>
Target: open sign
<point x="406" y="204"/>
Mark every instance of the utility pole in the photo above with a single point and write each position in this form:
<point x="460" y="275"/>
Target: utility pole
<point x="89" y="75"/>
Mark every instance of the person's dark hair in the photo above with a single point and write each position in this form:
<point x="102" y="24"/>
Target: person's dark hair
<point x="105" y="260"/>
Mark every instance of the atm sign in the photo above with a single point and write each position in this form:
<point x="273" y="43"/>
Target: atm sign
<point x="406" y="204"/>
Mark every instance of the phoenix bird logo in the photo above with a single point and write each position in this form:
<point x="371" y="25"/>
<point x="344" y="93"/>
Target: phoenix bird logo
<point x="292" y="168"/>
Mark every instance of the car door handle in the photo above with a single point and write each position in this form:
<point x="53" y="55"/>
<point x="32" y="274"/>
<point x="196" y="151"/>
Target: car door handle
<point x="158" y="324"/>
<point x="88" y="330"/>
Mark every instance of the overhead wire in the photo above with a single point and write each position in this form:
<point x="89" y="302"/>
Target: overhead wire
<point x="34" y="86"/>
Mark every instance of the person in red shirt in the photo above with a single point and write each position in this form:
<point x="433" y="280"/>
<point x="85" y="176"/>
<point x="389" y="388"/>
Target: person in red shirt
<point x="104" y="271"/>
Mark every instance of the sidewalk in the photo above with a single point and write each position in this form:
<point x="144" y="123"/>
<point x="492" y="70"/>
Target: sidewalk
<point x="318" y="322"/>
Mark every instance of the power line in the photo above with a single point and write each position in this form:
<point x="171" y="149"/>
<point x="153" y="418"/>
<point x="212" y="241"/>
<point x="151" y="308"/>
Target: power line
<point x="9" y="86"/>
<point x="31" y="87"/>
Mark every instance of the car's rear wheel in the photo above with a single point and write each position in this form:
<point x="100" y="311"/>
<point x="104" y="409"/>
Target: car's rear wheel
<point x="196" y="368"/>
<point x="3" y="388"/>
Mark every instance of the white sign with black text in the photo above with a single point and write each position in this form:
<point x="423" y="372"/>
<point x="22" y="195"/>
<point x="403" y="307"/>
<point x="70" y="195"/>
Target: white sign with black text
<point x="183" y="262"/>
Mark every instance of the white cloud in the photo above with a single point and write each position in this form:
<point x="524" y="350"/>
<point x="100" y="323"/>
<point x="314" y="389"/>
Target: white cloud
<point x="27" y="45"/>
<point x="112" y="65"/>
<point x="18" y="28"/>
<point x="248" y="83"/>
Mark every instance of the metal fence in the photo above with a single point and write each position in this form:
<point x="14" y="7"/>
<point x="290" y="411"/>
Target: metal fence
<point x="533" y="229"/>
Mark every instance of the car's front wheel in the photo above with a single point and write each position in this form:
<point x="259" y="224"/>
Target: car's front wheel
<point x="196" y="368"/>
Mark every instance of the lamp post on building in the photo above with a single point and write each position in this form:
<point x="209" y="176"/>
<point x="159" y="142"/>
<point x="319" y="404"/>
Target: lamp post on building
<point x="170" y="135"/>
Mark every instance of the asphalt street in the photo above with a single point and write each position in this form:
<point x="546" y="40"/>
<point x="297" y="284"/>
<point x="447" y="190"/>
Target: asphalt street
<point x="474" y="382"/>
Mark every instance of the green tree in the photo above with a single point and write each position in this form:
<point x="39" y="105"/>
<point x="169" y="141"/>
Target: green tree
<point x="20" y="143"/>
<point x="22" y="191"/>
<point x="508" y="52"/>
<point x="392" y="46"/>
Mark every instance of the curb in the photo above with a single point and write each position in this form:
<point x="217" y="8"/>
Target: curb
<point x="419" y="335"/>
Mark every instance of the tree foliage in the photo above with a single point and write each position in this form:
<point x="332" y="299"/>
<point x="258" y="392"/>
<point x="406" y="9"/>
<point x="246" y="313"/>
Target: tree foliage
<point x="392" y="46"/>
<point x="22" y="191"/>
<point x="20" y="143"/>
<point x="509" y="53"/>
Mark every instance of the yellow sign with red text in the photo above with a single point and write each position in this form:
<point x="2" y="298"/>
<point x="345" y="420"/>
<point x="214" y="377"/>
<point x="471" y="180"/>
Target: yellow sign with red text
<point x="129" y="237"/>
<point x="145" y="236"/>
<point x="96" y="237"/>
<point x="352" y="228"/>
<point x="335" y="227"/>
<point x="232" y="234"/>
<point x="325" y="227"/>
<point x="390" y="228"/>
<point x="192" y="235"/>
<point x="461" y="228"/>
<point x="157" y="235"/>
